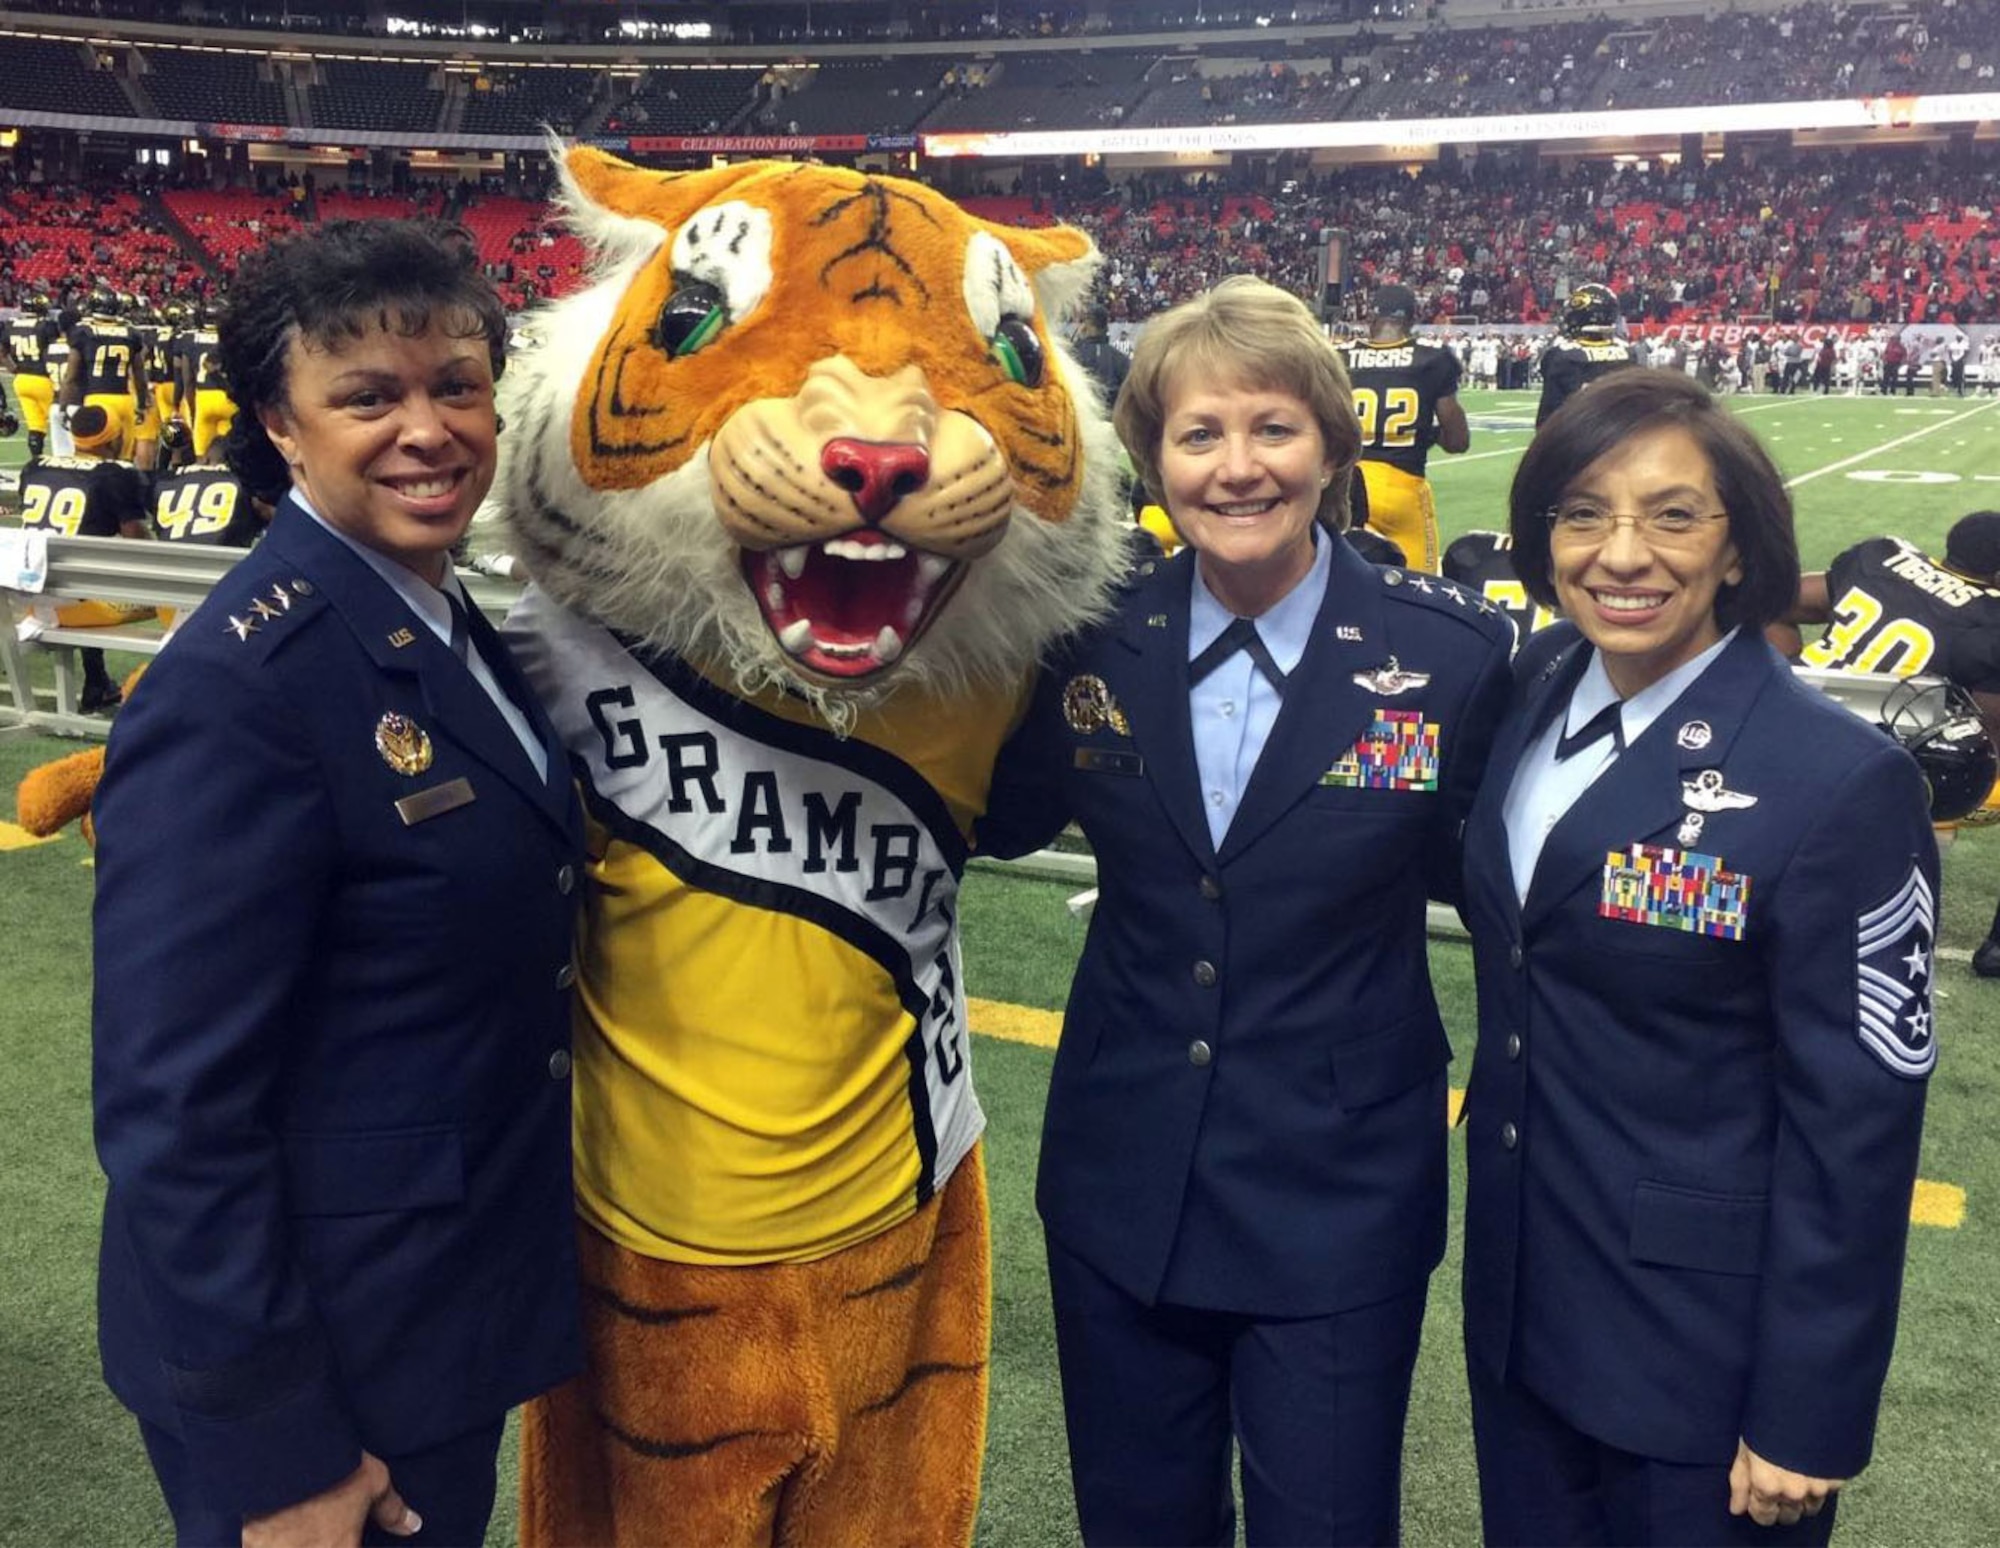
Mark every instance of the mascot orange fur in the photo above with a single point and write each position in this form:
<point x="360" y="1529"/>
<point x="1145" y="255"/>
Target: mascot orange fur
<point x="807" y="484"/>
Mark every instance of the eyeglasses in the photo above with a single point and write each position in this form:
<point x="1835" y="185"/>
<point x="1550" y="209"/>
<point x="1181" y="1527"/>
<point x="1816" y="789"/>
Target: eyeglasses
<point x="1575" y="521"/>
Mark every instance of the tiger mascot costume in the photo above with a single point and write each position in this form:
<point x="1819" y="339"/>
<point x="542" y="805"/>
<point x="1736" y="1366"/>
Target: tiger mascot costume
<point x="806" y="484"/>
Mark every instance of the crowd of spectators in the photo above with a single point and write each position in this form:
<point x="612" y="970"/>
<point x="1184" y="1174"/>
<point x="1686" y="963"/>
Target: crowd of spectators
<point x="1890" y="236"/>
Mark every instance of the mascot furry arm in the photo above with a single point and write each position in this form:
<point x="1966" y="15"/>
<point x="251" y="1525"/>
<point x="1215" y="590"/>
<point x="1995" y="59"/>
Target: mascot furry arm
<point x="807" y="484"/>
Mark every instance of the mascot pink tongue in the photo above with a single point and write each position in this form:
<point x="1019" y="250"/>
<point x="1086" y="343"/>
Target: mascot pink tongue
<point x="807" y="484"/>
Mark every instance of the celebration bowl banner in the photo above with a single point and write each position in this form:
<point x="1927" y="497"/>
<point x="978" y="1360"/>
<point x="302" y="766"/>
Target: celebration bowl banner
<point x="1613" y="124"/>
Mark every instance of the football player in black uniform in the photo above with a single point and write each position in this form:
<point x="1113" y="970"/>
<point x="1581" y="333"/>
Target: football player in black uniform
<point x="1588" y="347"/>
<point x="201" y="391"/>
<point x="90" y="494"/>
<point x="1483" y="562"/>
<point x="1406" y="397"/>
<point x="107" y="369"/>
<point x="1891" y="608"/>
<point x="206" y="503"/>
<point x="24" y="350"/>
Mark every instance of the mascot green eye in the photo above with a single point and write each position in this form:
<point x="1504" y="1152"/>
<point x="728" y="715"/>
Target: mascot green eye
<point x="1019" y="350"/>
<point x="693" y="316"/>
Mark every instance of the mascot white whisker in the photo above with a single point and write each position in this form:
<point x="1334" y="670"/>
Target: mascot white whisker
<point x="807" y="484"/>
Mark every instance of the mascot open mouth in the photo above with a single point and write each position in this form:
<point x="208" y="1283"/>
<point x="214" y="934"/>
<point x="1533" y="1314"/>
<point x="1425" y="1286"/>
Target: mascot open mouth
<point x="849" y="606"/>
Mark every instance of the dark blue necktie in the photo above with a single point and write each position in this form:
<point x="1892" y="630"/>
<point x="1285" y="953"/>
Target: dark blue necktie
<point x="1606" y="722"/>
<point x="1240" y="635"/>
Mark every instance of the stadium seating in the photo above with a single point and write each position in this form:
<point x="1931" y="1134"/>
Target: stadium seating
<point x="50" y="77"/>
<point x="212" y="87"/>
<point x="522" y="101"/>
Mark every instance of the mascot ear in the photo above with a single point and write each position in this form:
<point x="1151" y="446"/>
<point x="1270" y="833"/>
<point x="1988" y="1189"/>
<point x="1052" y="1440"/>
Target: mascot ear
<point x="620" y="209"/>
<point x="1059" y="260"/>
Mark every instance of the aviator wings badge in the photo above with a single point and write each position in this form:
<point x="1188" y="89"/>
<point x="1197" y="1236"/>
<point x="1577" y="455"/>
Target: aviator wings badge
<point x="1391" y="679"/>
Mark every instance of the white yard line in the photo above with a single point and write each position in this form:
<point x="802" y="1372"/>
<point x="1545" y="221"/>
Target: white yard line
<point x="1886" y="446"/>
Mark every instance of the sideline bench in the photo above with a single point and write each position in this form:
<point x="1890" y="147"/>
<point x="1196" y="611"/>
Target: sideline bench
<point x="130" y="573"/>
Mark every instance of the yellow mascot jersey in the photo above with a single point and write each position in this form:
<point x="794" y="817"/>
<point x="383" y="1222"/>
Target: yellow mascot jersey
<point x="772" y="1060"/>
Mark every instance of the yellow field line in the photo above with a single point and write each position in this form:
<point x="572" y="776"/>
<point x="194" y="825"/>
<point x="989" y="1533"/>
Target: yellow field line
<point x="14" y="836"/>
<point x="1934" y="1204"/>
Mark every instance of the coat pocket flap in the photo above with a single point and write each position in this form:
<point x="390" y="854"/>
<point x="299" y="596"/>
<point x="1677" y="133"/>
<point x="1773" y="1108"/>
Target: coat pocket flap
<point x="1721" y="1233"/>
<point x="1373" y="1069"/>
<point x="365" y="1174"/>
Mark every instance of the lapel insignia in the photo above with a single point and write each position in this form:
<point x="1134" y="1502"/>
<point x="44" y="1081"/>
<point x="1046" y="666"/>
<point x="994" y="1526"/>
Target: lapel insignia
<point x="1391" y="679"/>
<point x="1694" y="736"/>
<point x="1690" y="829"/>
<point x="1674" y="889"/>
<point x="402" y="637"/>
<point x="1087" y="706"/>
<point x="1706" y="793"/>
<point x="243" y="627"/>
<point x="1398" y="751"/>
<point x="1156" y="620"/>
<point x="404" y="745"/>
<point x="1347" y="632"/>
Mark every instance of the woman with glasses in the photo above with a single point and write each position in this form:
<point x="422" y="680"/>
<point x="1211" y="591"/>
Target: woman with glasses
<point x="1703" y="901"/>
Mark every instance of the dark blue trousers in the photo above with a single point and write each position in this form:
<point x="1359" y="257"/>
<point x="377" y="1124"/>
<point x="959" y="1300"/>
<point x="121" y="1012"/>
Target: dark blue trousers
<point x="1545" y="1484"/>
<point x="1154" y="1395"/>
<point x="451" y="1486"/>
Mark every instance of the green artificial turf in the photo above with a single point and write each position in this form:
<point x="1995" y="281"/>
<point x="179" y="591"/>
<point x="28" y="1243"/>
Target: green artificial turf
<point x="73" y="1461"/>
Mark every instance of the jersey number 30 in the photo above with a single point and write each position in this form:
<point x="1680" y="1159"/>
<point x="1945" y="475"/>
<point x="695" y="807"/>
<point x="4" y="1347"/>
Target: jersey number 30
<point x="1860" y="640"/>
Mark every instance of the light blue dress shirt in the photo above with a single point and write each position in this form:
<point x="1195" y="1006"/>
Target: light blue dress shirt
<point x="428" y="603"/>
<point x="1544" y="790"/>
<point x="1234" y="707"/>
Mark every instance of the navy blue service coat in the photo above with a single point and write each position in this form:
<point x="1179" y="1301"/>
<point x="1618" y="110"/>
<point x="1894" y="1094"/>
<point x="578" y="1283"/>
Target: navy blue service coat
<point x="1692" y="1155"/>
<point x="331" y="1035"/>
<point x="1247" y="1107"/>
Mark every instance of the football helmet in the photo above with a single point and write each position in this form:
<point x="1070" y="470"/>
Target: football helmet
<point x="1939" y="725"/>
<point x="175" y="437"/>
<point x="106" y="302"/>
<point x="10" y="424"/>
<point x="1591" y="312"/>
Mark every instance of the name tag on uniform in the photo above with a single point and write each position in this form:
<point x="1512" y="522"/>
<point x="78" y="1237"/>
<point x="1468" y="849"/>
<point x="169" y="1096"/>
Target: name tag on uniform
<point x="1398" y="751"/>
<point x="1105" y="760"/>
<point x="1676" y="889"/>
<point x="434" y="802"/>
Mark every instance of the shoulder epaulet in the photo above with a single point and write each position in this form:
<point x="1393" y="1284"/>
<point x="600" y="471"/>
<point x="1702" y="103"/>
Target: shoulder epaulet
<point x="262" y="617"/>
<point x="1447" y="597"/>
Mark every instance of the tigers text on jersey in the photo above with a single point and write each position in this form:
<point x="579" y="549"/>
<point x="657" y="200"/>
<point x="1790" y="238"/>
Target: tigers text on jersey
<point x="28" y="340"/>
<point x="1396" y="392"/>
<point x="197" y="352"/>
<point x="1569" y="365"/>
<point x="204" y="503"/>
<point x="81" y="496"/>
<point x="1898" y="611"/>
<point x="771" y="1013"/>
<point x="105" y="352"/>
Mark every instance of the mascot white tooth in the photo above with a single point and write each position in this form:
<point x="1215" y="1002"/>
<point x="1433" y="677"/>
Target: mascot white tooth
<point x="807" y="484"/>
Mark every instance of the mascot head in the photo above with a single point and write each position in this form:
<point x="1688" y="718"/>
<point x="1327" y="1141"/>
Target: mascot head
<point x="813" y="427"/>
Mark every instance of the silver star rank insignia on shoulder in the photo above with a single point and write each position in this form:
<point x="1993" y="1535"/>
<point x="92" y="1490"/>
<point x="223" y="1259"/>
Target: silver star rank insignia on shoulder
<point x="1390" y="679"/>
<point x="243" y="627"/>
